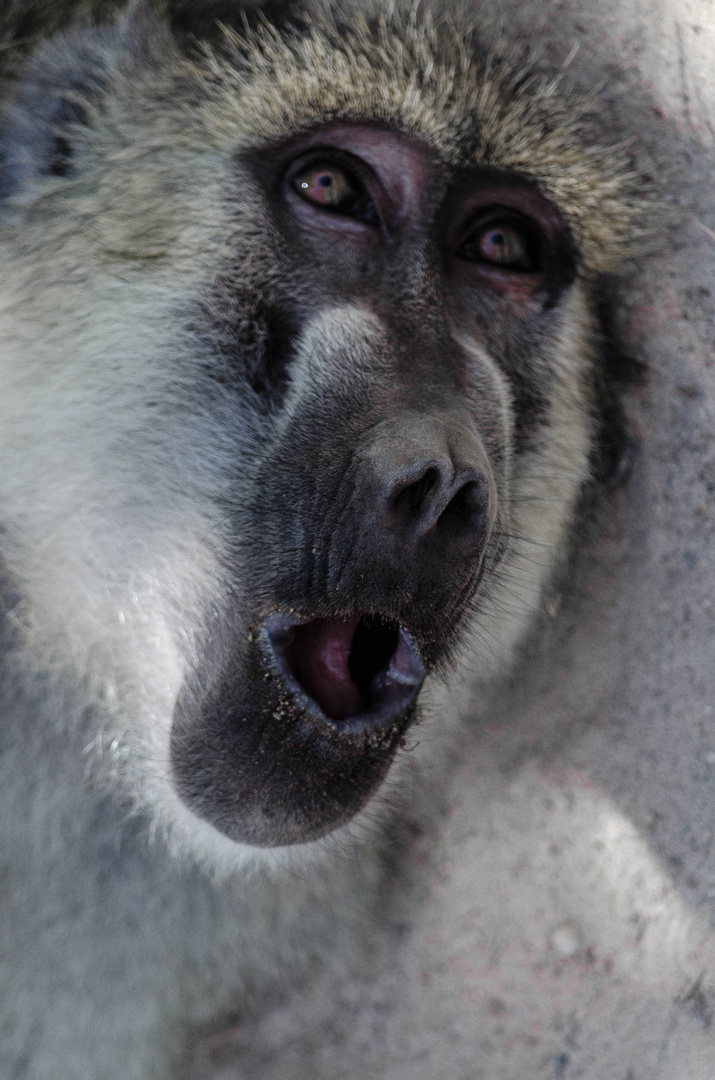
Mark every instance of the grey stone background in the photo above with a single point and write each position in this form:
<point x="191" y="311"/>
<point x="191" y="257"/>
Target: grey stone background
<point x="551" y="907"/>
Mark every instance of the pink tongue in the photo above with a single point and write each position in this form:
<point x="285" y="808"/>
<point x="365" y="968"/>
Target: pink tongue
<point x="319" y="657"/>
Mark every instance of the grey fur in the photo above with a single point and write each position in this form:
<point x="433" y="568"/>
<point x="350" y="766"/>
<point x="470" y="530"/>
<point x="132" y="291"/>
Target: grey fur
<point x="128" y="233"/>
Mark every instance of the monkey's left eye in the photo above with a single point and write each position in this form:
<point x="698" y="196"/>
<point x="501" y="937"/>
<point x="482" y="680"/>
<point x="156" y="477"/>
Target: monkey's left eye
<point x="502" y="244"/>
<point x="333" y="188"/>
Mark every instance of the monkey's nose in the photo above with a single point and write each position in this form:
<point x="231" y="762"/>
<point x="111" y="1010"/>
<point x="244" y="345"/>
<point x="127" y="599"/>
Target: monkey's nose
<point x="430" y="497"/>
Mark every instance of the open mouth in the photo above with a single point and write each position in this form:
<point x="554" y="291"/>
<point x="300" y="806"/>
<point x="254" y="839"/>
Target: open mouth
<point x="362" y="670"/>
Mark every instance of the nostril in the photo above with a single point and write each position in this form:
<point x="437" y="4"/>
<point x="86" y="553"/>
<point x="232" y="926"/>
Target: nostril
<point x="430" y="495"/>
<point x="410" y="495"/>
<point x="466" y="511"/>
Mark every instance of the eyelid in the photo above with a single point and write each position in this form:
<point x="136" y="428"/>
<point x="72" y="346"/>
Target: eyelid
<point x="495" y="214"/>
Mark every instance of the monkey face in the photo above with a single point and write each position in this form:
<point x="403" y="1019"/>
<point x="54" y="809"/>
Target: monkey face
<point x="320" y="341"/>
<point x="379" y="507"/>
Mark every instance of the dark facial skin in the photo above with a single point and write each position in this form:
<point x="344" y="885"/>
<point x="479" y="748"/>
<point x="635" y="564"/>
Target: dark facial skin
<point x="378" y="495"/>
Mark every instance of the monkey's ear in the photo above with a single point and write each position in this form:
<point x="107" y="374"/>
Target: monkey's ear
<point x="617" y="443"/>
<point x="54" y="94"/>
<point x="616" y="446"/>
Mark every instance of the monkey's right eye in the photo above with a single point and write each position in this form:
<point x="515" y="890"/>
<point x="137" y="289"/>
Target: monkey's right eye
<point x="333" y="188"/>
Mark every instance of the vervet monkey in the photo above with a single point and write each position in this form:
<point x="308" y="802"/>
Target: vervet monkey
<point x="300" y="366"/>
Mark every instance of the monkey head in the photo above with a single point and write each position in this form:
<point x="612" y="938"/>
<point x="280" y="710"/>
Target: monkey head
<point x="381" y="499"/>
<point x="369" y="252"/>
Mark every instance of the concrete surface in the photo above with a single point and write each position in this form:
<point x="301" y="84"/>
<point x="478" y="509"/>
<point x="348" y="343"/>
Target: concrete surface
<point x="551" y="908"/>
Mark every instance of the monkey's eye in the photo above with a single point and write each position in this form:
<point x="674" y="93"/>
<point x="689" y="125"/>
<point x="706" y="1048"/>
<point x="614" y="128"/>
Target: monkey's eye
<point x="333" y="188"/>
<point x="502" y="244"/>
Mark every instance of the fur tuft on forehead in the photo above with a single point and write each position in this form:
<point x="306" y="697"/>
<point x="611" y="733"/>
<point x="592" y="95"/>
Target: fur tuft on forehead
<point x="474" y="106"/>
